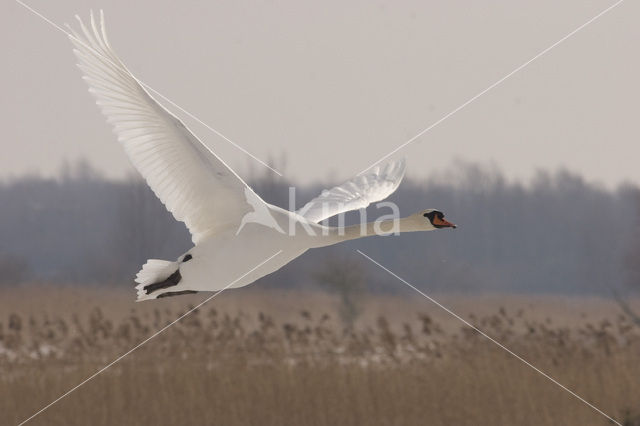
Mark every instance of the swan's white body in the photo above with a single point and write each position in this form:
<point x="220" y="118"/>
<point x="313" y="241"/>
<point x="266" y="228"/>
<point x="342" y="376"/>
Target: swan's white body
<point x="227" y="258"/>
<point x="238" y="237"/>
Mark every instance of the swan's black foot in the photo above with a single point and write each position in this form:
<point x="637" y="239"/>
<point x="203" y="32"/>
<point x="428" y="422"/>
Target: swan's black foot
<point x="171" y="281"/>
<point x="175" y="293"/>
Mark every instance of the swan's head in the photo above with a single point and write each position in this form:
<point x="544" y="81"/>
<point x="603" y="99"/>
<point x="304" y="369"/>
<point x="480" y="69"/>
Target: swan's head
<point x="435" y="219"/>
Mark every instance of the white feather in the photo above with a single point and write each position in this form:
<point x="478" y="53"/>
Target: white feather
<point x="196" y="186"/>
<point x="355" y="194"/>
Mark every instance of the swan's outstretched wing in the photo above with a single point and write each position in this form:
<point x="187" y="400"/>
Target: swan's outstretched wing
<point x="355" y="194"/>
<point x="195" y="185"/>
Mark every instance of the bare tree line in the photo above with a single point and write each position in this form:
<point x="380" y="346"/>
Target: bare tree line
<point x="557" y="233"/>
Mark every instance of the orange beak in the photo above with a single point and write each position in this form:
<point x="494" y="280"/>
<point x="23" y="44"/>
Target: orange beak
<point x="443" y="223"/>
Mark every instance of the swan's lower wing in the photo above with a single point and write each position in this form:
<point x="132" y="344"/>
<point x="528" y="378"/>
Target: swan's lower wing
<point x="195" y="185"/>
<point x="355" y="194"/>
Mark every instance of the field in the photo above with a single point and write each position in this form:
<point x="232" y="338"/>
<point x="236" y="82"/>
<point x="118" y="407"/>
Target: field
<point x="252" y="357"/>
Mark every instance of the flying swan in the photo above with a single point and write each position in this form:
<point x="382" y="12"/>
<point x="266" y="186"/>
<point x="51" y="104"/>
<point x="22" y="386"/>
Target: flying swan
<point x="233" y="230"/>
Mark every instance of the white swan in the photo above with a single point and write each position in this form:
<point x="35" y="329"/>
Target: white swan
<point x="232" y="228"/>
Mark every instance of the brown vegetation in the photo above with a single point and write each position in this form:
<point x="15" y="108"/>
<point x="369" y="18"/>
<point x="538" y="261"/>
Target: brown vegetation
<point x="264" y="358"/>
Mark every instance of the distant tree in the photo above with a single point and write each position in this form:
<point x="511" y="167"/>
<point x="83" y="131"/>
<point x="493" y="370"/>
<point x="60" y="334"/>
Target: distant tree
<point x="632" y="264"/>
<point x="80" y="170"/>
<point x="14" y="269"/>
<point x="632" y="257"/>
<point x="142" y="230"/>
<point x="346" y="278"/>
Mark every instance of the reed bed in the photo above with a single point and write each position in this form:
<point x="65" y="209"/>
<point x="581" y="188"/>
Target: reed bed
<point x="273" y="359"/>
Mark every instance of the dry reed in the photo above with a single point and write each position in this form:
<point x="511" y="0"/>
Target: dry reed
<point x="234" y="363"/>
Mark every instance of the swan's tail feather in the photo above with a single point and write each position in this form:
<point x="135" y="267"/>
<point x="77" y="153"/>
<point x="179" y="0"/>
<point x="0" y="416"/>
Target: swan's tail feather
<point x="156" y="274"/>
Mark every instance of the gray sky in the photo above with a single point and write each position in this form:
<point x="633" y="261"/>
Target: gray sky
<point x="336" y="85"/>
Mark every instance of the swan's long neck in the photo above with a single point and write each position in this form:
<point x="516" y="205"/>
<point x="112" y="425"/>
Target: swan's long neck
<point x="384" y="227"/>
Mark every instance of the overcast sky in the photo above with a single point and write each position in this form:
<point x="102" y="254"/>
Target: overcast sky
<point x="336" y="85"/>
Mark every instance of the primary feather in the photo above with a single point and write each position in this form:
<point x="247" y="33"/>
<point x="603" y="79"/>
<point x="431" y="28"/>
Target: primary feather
<point x="196" y="186"/>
